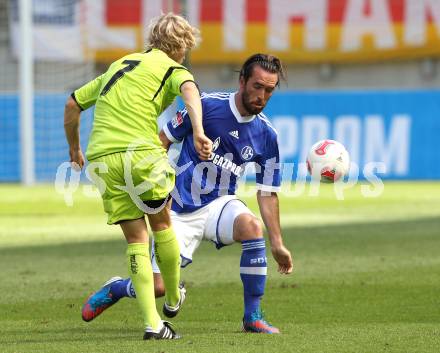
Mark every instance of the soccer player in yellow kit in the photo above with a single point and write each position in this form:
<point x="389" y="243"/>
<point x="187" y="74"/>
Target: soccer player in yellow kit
<point x="125" y="145"/>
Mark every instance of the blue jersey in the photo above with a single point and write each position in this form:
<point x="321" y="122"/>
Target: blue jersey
<point x="236" y="140"/>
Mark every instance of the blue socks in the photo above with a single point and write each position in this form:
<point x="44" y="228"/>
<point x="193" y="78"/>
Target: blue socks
<point x="121" y="289"/>
<point x="253" y="271"/>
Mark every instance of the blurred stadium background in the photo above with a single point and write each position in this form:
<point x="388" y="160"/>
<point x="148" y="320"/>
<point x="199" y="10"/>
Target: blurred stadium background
<point x="363" y="72"/>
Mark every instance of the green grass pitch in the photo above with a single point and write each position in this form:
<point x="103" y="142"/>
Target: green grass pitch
<point x="367" y="277"/>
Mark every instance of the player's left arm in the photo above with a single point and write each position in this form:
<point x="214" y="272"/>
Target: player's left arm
<point x="268" y="183"/>
<point x="270" y="212"/>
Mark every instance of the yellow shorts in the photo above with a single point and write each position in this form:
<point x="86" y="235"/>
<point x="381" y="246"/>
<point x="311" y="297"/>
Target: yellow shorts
<point x="126" y="179"/>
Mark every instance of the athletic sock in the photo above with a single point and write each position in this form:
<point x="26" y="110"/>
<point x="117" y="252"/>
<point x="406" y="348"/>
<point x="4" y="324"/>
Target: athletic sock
<point x="141" y="274"/>
<point x="253" y="271"/>
<point x="121" y="289"/>
<point x="167" y="252"/>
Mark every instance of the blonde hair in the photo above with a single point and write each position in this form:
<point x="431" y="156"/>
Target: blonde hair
<point x="172" y="34"/>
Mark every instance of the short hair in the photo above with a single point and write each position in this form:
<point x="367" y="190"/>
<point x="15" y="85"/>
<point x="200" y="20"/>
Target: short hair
<point x="267" y="62"/>
<point x="172" y="34"/>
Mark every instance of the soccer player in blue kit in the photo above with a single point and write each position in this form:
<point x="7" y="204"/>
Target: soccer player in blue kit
<point x="205" y="206"/>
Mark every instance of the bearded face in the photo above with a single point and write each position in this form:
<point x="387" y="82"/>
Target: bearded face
<point x="257" y="90"/>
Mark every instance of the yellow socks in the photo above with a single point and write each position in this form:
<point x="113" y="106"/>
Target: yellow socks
<point x="167" y="252"/>
<point x="141" y="274"/>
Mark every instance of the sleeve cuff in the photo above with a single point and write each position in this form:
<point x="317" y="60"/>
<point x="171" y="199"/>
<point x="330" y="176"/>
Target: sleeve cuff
<point x="168" y="134"/>
<point x="74" y="98"/>
<point x="269" y="188"/>
<point x="197" y="86"/>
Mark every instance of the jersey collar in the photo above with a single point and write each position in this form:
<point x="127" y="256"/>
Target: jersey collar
<point x="240" y="119"/>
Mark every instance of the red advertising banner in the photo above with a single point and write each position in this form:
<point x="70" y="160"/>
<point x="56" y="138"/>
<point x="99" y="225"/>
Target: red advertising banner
<point x="307" y="31"/>
<point x="299" y="31"/>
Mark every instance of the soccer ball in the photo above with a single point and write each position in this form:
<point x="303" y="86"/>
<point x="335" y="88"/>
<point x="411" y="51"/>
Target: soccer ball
<point x="329" y="160"/>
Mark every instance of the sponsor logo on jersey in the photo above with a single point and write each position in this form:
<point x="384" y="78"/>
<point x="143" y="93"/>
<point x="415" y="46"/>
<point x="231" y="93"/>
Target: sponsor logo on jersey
<point x="234" y="134"/>
<point x="226" y="163"/>
<point x="247" y="153"/>
<point x="177" y="120"/>
<point x="222" y="161"/>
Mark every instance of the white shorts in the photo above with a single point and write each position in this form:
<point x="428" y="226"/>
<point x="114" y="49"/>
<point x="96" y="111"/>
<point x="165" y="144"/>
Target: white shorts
<point x="214" y="222"/>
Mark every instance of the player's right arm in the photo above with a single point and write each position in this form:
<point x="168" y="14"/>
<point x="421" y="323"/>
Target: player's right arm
<point x="72" y="113"/>
<point x="166" y="143"/>
<point x="81" y="99"/>
<point x="87" y="95"/>
<point x="182" y="83"/>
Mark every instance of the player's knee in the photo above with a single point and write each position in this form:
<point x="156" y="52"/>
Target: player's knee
<point x="255" y="228"/>
<point x="159" y="292"/>
<point x="159" y="287"/>
<point x="247" y="227"/>
<point x="159" y="222"/>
